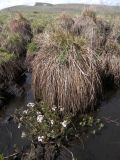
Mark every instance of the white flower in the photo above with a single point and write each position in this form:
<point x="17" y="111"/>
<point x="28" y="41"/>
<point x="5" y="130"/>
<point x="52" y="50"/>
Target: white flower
<point x="61" y="109"/>
<point x="31" y="105"/>
<point x="40" y="138"/>
<point x="54" y="108"/>
<point x="52" y="122"/>
<point x="64" y="124"/>
<point x="25" y="111"/>
<point x="40" y="118"/>
<point x="39" y="113"/>
<point x="19" y="125"/>
<point x="23" y="135"/>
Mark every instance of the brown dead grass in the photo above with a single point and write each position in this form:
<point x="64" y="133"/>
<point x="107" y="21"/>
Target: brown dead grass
<point x="89" y="12"/>
<point x="15" y="45"/>
<point x="64" y="75"/>
<point x="94" y="31"/>
<point x="86" y="27"/>
<point x="64" y="21"/>
<point x="22" y="26"/>
<point x="16" y="35"/>
<point x="69" y="67"/>
<point x="10" y="71"/>
<point x="110" y="59"/>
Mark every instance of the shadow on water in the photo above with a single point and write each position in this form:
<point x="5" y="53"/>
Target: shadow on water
<point x="10" y="135"/>
<point x="102" y="146"/>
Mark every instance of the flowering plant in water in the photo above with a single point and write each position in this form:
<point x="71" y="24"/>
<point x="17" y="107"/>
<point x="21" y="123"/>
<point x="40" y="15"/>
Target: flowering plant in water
<point x="42" y="122"/>
<point x="46" y="125"/>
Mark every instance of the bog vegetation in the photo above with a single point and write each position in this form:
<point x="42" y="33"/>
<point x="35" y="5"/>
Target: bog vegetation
<point x="70" y="58"/>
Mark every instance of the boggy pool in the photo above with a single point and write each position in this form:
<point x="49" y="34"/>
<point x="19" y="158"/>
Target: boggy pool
<point x="102" y="146"/>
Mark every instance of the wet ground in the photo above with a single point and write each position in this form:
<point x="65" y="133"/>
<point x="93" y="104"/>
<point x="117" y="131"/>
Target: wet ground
<point x="102" y="146"/>
<point x="10" y="135"/>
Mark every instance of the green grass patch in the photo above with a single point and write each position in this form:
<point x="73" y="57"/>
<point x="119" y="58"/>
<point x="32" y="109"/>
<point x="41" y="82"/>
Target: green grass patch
<point x="5" y="56"/>
<point x="32" y="47"/>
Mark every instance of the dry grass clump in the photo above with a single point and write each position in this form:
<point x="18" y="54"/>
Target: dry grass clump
<point x="64" y="22"/>
<point x="62" y="39"/>
<point x="86" y="27"/>
<point x="15" y="37"/>
<point x="69" y="67"/>
<point x="104" y="29"/>
<point x="13" y="43"/>
<point x="110" y="65"/>
<point x="114" y="38"/>
<point x="10" y="69"/>
<point x="65" y="73"/>
<point x="93" y="29"/>
<point x="111" y="57"/>
<point x="89" y="12"/>
<point x="21" y="26"/>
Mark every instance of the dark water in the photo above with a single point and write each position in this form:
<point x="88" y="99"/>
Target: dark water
<point x="106" y="145"/>
<point x="10" y="135"/>
<point x="102" y="146"/>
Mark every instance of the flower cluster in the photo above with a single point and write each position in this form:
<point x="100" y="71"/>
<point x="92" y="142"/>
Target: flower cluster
<point x="42" y="122"/>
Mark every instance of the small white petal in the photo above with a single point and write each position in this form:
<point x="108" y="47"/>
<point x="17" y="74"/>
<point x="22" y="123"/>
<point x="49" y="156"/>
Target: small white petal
<point x="40" y="118"/>
<point x="25" y="111"/>
<point x="23" y="135"/>
<point x="54" y="108"/>
<point x="39" y="113"/>
<point x="61" y="109"/>
<point x="40" y="138"/>
<point x="31" y="105"/>
<point x="64" y="124"/>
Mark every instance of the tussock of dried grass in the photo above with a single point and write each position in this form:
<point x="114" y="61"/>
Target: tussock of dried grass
<point x="89" y="12"/>
<point x="68" y="69"/>
<point x="22" y="26"/>
<point x="94" y="31"/>
<point x="110" y="65"/>
<point x="65" y="71"/>
<point x="15" y="45"/>
<point x="110" y="60"/>
<point x="16" y="36"/>
<point x="64" y="22"/>
<point x="10" y="71"/>
<point x="86" y="27"/>
<point x="66" y="77"/>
